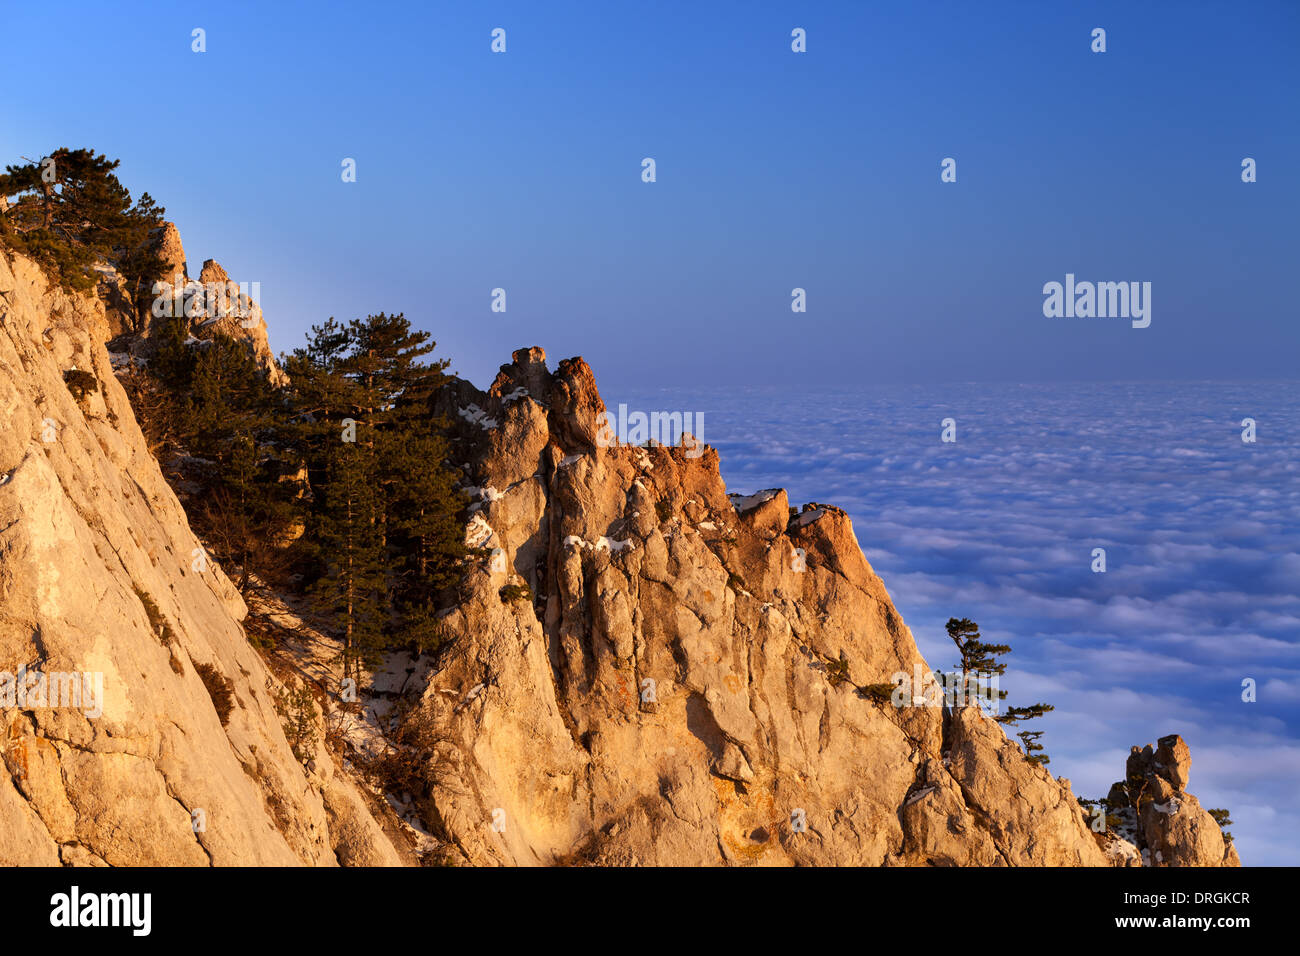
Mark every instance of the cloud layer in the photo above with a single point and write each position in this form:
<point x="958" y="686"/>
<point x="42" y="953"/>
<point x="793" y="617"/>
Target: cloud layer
<point x="1201" y="535"/>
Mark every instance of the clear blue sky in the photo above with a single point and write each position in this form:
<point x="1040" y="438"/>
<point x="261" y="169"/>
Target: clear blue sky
<point x="775" y="170"/>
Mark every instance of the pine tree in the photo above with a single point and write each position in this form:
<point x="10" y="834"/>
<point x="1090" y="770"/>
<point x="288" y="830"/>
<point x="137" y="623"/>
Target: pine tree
<point x="388" y="501"/>
<point x="1014" y="715"/>
<point x="1223" y="820"/>
<point x="1029" y="740"/>
<point x="70" y="210"/>
<point x="233" y="418"/>
<point x="352" y="589"/>
<point x="418" y="521"/>
<point x="977" y="658"/>
<point x="981" y="659"/>
<point x="421" y="530"/>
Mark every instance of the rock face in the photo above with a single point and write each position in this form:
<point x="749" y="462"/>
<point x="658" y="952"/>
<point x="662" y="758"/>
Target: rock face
<point x="101" y="576"/>
<point x="1169" y="825"/>
<point x="648" y="671"/>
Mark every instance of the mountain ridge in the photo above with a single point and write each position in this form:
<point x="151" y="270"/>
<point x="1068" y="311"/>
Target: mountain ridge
<point x="531" y="736"/>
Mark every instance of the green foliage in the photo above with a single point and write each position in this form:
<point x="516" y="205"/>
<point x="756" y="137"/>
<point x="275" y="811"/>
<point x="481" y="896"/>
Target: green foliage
<point x="385" y="519"/>
<point x="1029" y="740"/>
<point x="976" y="656"/>
<point x="69" y="211"/>
<point x="982" y="659"/>
<point x="297" y="710"/>
<point x="219" y="689"/>
<point x="663" y="509"/>
<point x="80" y="383"/>
<point x="374" y="524"/>
<point x="516" y="592"/>
<point x="157" y="621"/>
<point x="347" y="528"/>
<point x="1222" y="819"/>
<point x="214" y="403"/>
<point x="880" y="693"/>
<point x="1014" y="715"/>
<point x="837" y="672"/>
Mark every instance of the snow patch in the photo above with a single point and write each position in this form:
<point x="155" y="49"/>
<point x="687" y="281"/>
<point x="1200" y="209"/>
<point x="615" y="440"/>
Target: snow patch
<point x="920" y="795"/>
<point x="602" y="544"/>
<point x="478" y="532"/>
<point x="743" y="503"/>
<point x="808" y="517"/>
<point x="477" y="416"/>
<point x="484" y="494"/>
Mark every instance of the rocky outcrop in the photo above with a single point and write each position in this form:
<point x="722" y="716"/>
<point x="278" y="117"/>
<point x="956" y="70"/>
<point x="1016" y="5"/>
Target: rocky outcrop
<point x="212" y="303"/>
<point x="647" y="670"/>
<point x="1168" y="824"/>
<point x="137" y="724"/>
<point x="172" y="252"/>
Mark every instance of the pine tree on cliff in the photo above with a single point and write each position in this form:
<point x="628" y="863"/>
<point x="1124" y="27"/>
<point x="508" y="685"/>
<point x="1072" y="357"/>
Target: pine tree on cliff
<point x="420" y="527"/>
<point x="343" y="534"/>
<point x="214" y="403"/>
<point x="977" y="658"/>
<point x="350" y="539"/>
<point x="1014" y="715"/>
<point x="981" y="659"/>
<point x="388" y="501"/>
<point x="69" y="210"/>
<point x="1029" y="740"/>
<point x="1223" y="820"/>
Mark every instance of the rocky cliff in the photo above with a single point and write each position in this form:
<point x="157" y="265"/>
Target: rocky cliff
<point x="173" y="751"/>
<point x="638" y="669"/>
<point x="650" y="671"/>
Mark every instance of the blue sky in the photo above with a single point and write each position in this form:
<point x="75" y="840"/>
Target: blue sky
<point x="775" y="170"/>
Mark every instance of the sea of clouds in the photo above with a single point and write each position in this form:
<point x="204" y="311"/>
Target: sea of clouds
<point x="1202" y="540"/>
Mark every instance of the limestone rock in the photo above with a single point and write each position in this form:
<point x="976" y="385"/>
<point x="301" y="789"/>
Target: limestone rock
<point x="96" y="578"/>
<point x="1170" y="826"/>
<point x="172" y="251"/>
<point x="1173" y="760"/>
<point x="687" y="685"/>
